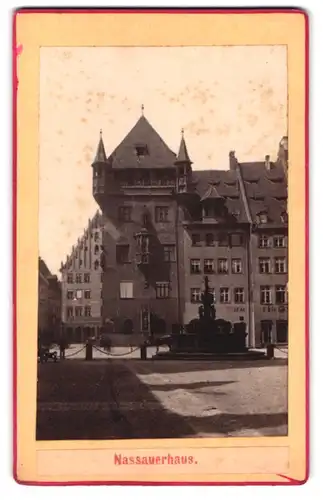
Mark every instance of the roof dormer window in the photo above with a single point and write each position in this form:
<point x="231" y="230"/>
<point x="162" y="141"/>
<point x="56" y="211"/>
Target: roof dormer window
<point x="141" y="150"/>
<point x="284" y="217"/>
<point x="262" y="218"/>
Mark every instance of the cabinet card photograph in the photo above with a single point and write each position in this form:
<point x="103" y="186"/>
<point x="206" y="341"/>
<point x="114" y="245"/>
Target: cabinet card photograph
<point x="160" y="246"/>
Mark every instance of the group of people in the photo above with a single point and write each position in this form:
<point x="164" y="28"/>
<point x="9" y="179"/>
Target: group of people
<point x="44" y="346"/>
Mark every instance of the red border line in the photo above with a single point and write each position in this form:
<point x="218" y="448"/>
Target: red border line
<point x="161" y="10"/>
<point x="14" y="240"/>
<point x="15" y="54"/>
<point x="307" y="243"/>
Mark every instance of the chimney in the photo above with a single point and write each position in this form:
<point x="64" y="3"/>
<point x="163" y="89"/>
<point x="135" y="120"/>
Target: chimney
<point x="232" y="160"/>
<point x="267" y="162"/>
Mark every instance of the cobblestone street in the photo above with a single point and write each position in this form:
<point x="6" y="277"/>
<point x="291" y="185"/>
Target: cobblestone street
<point x="122" y="399"/>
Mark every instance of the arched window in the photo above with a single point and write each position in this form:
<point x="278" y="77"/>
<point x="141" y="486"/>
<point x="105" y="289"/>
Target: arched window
<point x="96" y="249"/>
<point x="96" y="265"/>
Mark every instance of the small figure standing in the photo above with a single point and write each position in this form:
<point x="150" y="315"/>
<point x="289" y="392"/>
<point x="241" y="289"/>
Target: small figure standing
<point x="62" y="347"/>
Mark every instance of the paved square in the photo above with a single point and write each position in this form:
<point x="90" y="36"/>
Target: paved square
<point x="124" y="399"/>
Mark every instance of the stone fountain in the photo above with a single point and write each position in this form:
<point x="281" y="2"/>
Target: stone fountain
<point x="208" y="336"/>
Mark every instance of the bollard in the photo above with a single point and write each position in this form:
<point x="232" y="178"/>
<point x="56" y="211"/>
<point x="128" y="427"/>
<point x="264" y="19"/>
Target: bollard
<point x="89" y="351"/>
<point x="270" y="351"/>
<point x="143" y="352"/>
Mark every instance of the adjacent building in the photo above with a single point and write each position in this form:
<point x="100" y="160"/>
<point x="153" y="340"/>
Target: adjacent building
<point x="82" y="285"/>
<point x="265" y="188"/>
<point x="166" y="226"/>
<point x="49" y="302"/>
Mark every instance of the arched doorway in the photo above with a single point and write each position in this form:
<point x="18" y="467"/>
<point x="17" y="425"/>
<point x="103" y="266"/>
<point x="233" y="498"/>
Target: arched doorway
<point x="158" y="325"/>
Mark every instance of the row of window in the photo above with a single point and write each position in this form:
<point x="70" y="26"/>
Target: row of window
<point x="209" y="266"/>
<point x="223" y="239"/>
<point x="268" y="292"/>
<point x="125" y="214"/>
<point x="238" y="295"/>
<point x="86" y="248"/>
<point x="278" y="241"/>
<point x="80" y="263"/>
<point x="78" y="311"/>
<point x="226" y="295"/>
<point x="162" y="212"/>
<point x="237" y="239"/>
<point x="81" y="277"/>
<point x="264" y="263"/>
<point x="163" y="290"/>
<point x="79" y="294"/>
<point x="122" y="254"/>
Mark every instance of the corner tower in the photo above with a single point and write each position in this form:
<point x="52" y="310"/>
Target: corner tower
<point x="184" y="168"/>
<point x="102" y="176"/>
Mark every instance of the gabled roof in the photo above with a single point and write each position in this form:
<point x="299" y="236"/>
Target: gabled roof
<point x="211" y="194"/>
<point x="226" y="185"/>
<point x="94" y="223"/>
<point x="100" y="156"/>
<point x="158" y="154"/>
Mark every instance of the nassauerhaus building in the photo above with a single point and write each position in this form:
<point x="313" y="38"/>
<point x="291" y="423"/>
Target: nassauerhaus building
<point x="165" y="226"/>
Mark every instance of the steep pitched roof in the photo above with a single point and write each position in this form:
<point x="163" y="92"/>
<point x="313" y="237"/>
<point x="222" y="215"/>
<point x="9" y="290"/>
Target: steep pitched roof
<point x="100" y="152"/>
<point x="158" y="154"/>
<point x="43" y="269"/>
<point x="183" y="155"/>
<point x="266" y="190"/>
<point x="95" y="222"/>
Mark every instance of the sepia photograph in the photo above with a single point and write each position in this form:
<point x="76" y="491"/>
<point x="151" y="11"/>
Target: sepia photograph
<point x="161" y="303"/>
<point x="163" y="242"/>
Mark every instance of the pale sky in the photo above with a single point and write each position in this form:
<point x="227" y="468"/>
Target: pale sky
<point x="225" y="98"/>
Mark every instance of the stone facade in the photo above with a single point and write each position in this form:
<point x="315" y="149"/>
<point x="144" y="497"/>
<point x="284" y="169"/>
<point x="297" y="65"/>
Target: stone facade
<point x="49" y="302"/>
<point x="165" y="226"/>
